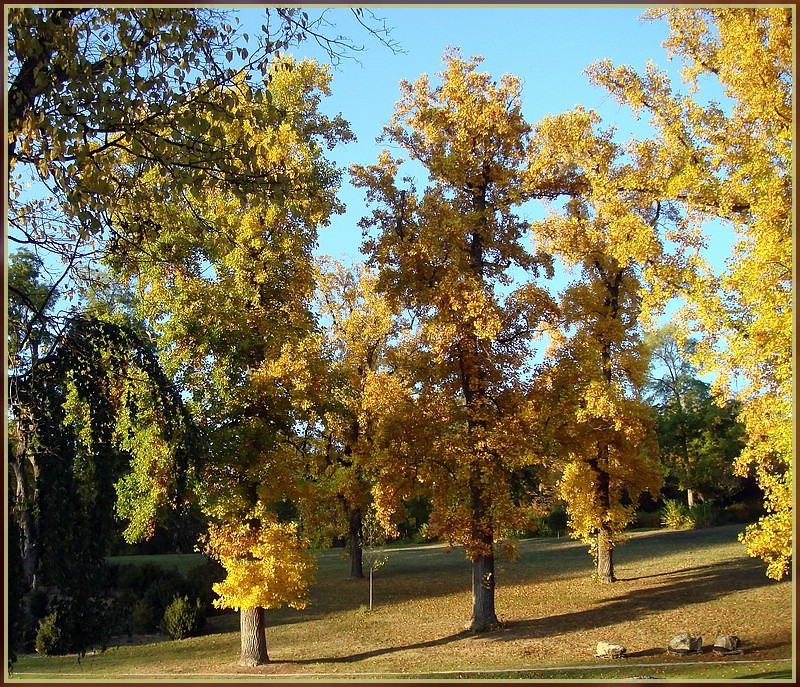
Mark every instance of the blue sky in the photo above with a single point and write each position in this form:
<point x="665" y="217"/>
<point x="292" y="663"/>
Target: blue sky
<point x="547" y="47"/>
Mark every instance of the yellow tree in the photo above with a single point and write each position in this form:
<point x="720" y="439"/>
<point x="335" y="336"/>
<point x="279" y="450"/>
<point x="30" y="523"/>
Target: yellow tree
<point x="356" y="324"/>
<point x="446" y="255"/>
<point x="227" y="284"/>
<point x="592" y="387"/>
<point x="731" y="162"/>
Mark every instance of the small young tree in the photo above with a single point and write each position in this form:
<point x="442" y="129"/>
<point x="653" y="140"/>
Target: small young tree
<point x="374" y="539"/>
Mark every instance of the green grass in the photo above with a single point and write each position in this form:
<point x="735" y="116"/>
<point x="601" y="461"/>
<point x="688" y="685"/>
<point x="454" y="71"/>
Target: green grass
<point x="178" y="561"/>
<point x="698" y="581"/>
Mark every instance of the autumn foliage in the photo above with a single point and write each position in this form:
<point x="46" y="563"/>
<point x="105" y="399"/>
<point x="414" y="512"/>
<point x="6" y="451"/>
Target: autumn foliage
<point x="267" y="565"/>
<point x="286" y="395"/>
<point x="734" y="166"/>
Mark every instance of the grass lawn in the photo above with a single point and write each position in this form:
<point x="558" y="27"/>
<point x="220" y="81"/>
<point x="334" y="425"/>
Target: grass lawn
<point x="697" y="581"/>
<point x="178" y="561"/>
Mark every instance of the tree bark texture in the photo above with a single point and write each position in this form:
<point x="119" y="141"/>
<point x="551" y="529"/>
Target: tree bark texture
<point x="483" y="580"/>
<point x="605" y="556"/>
<point x="356" y="550"/>
<point x="26" y="520"/>
<point x="605" y="537"/>
<point x="253" y="637"/>
<point x="483" y="612"/>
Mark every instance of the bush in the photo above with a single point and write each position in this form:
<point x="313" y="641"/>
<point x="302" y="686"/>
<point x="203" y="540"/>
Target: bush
<point x="539" y="526"/>
<point x="136" y="578"/>
<point x="675" y="516"/>
<point x="74" y="625"/>
<point x="49" y="641"/>
<point x="422" y="535"/>
<point x="142" y="618"/>
<point x="183" y="618"/>
<point x="745" y="512"/>
<point x="703" y="515"/>
<point x="645" y="519"/>
<point x="164" y="588"/>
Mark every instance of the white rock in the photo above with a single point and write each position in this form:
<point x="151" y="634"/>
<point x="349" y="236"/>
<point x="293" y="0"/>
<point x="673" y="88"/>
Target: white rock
<point x="609" y="650"/>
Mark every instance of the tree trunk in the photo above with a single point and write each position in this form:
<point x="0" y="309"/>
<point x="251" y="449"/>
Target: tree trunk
<point x="605" y="556"/>
<point x="690" y="497"/>
<point x="483" y="614"/>
<point x="356" y="551"/>
<point x="605" y="537"/>
<point x="253" y="637"/>
<point x="27" y="523"/>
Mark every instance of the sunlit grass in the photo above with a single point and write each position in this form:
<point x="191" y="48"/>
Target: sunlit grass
<point x="696" y="581"/>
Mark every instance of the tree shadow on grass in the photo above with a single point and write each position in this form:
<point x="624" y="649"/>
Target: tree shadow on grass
<point x="784" y="674"/>
<point x="690" y="586"/>
<point x="434" y="572"/>
<point x="696" y="585"/>
<point x="354" y="658"/>
<point x="645" y="653"/>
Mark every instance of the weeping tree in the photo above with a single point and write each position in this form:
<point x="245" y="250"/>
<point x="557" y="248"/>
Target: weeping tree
<point x="96" y="429"/>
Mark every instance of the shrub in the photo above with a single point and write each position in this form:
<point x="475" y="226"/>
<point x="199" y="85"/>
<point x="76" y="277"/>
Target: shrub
<point x="423" y="535"/>
<point x="164" y="588"/>
<point x="675" y="516"/>
<point x="183" y="618"/>
<point x="142" y="618"/>
<point x="201" y="577"/>
<point x="49" y="641"/>
<point x="745" y="512"/>
<point x="703" y="515"/>
<point x="645" y="519"/>
<point x="539" y="526"/>
<point x="137" y="578"/>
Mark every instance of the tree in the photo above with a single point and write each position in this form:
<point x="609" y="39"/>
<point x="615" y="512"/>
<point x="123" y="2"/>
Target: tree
<point x="267" y="566"/>
<point x="88" y="410"/>
<point x="601" y="424"/>
<point x="732" y="162"/>
<point x="374" y="537"/>
<point x="88" y="420"/>
<point x="58" y="426"/>
<point x="445" y="256"/>
<point x="30" y="308"/>
<point x="699" y="439"/>
<point x="227" y="286"/>
<point x="88" y="85"/>
<point x="357" y="325"/>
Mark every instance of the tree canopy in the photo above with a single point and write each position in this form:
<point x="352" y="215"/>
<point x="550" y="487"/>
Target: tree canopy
<point x="732" y="165"/>
<point x="444" y="254"/>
